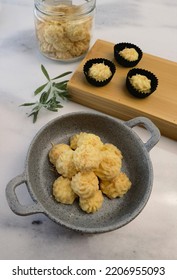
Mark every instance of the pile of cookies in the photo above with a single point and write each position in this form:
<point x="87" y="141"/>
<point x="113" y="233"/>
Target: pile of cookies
<point x="66" y="36"/>
<point x="88" y="169"/>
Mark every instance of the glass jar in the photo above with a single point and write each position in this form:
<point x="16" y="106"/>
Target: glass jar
<point x="64" y="28"/>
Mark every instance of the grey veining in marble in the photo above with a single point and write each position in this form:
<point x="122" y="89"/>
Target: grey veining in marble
<point x="152" y="235"/>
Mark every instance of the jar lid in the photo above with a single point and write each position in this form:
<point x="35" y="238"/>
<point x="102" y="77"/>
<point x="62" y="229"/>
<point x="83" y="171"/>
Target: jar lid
<point x="65" y="8"/>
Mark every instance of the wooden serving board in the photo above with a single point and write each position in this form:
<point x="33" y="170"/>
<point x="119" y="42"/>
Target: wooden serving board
<point x="115" y="100"/>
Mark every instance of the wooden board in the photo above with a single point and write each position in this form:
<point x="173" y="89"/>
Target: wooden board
<point x="115" y="100"/>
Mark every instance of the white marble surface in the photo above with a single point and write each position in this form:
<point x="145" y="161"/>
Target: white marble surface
<point x="153" y="234"/>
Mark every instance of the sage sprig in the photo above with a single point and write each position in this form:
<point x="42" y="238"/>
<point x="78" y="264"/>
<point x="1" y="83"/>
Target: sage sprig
<point x="50" y="94"/>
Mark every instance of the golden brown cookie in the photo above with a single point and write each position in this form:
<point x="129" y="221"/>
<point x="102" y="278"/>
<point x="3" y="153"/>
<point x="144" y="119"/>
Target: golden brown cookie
<point x="65" y="165"/>
<point x="62" y="191"/>
<point x="56" y="151"/>
<point x="92" y="204"/>
<point x="109" y="166"/>
<point x="85" y="184"/>
<point x="86" y="158"/>
<point x="117" y="187"/>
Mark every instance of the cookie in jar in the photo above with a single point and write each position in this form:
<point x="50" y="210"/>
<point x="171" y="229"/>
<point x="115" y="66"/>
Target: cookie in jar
<point x="64" y="28"/>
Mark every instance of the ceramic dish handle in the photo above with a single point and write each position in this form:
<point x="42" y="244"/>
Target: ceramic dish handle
<point x="146" y="123"/>
<point x="13" y="201"/>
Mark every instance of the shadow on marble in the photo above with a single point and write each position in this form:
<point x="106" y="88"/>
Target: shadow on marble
<point x="21" y="42"/>
<point x="119" y="13"/>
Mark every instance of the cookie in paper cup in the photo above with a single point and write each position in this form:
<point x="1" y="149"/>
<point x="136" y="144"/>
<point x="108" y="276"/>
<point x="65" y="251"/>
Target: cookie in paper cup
<point x="141" y="83"/>
<point x="99" y="71"/>
<point x="127" y="54"/>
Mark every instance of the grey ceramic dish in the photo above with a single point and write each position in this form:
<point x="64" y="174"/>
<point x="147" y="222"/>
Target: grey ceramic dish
<point x="39" y="177"/>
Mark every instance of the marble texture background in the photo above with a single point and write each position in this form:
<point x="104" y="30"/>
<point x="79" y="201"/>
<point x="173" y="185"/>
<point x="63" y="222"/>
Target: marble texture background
<point x="152" y="235"/>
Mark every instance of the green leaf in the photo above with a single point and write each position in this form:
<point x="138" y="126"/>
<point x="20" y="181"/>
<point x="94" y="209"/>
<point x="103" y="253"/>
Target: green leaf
<point x="61" y="85"/>
<point x="39" y="89"/>
<point x="52" y="109"/>
<point x="44" y="96"/>
<point x="63" y="94"/>
<point x="50" y="94"/>
<point x="62" y="75"/>
<point x="28" y="104"/>
<point x="45" y="72"/>
<point x="35" y="115"/>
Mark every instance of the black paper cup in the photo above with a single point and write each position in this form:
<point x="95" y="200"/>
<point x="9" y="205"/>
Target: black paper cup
<point x="137" y="93"/>
<point x="121" y="60"/>
<point x="93" y="81"/>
